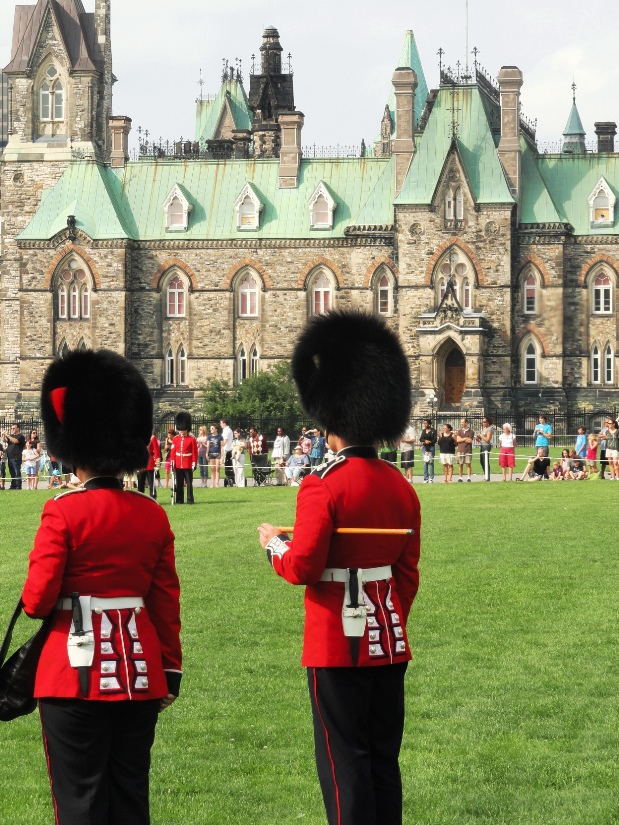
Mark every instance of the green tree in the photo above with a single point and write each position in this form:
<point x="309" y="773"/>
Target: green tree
<point x="268" y="394"/>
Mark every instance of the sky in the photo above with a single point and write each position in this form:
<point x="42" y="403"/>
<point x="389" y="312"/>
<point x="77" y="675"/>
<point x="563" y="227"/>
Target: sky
<point x="344" y="54"/>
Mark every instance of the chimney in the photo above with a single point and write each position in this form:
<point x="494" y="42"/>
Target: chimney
<point x="120" y="126"/>
<point x="290" y="149"/>
<point x="606" y="132"/>
<point x="242" y="139"/>
<point x="510" y="82"/>
<point x="404" y="82"/>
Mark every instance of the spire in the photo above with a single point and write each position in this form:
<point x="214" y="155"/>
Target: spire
<point x="574" y="132"/>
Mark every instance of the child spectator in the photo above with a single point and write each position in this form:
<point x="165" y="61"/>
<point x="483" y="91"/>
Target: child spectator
<point x="592" y="452"/>
<point x="30" y="457"/>
<point x="577" y="472"/>
<point x="507" y="454"/>
<point x="557" y="472"/>
<point x="581" y="443"/>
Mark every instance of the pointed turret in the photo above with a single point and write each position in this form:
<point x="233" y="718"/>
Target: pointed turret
<point x="574" y="132"/>
<point x="409" y="59"/>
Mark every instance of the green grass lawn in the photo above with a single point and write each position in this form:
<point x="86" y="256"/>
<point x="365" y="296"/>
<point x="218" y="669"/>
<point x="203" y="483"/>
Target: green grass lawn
<point x="512" y="711"/>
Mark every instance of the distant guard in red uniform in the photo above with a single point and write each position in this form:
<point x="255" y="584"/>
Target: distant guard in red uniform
<point x="353" y="379"/>
<point x="147" y="475"/>
<point x="184" y="457"/>
<point x="103" y="566"/>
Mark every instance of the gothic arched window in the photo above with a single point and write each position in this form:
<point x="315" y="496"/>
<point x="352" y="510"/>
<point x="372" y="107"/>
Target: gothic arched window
<point x="254" y="362"/>
<point x="385" y="296"/>
<point x="46" y="104"/>
<point x="466" y="294"/>
<point x="248" y="297"/>
<point x="322" y="295"/>
<point x="169" y="367"/>
<point x="530" y="364"/>
<point x="595" y="365"/>
<point x="176" y="298"/>
<point x="62" y="301"/>
<point x="85" y="302"/>
<point x="530" y="294"/>
<point x="602" y="294"/>
<point x="176" y="213"/>
<point x="459" y="204"/>
<point x="182" y="366"/>
<point x="609" y="371"/>
<point x="247" y="214"/>
<point x="52" y="96"/>
<point x="242" y="365"/>
<point x="455" y="266"/>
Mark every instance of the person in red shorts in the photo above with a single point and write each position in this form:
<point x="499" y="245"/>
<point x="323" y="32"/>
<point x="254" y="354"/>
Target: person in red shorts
<point x="353" y="379"/>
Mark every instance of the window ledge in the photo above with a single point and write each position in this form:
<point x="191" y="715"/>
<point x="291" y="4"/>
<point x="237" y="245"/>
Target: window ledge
<point x="176" y="228"/>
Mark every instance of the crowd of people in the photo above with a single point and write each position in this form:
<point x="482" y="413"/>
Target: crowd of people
<point x="235" y="456"/>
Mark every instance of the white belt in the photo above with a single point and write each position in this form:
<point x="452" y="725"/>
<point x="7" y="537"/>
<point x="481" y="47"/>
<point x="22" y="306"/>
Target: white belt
<point x="184" y="455"/>
<point x="97" y="603"/>
<point x="372" y="574"/>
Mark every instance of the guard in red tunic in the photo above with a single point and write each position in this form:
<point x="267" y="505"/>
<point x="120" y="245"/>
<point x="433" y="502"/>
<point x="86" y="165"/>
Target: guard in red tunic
<point x="353" y="379"/>
<point x="148" y="473"/>
<point x="103" y="566"/>
<point x="184" y="457"/>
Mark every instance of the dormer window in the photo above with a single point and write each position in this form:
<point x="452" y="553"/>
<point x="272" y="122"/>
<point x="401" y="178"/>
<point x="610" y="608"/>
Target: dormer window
<point x="248" y="207"/>
<point x="321" y="208"/>
<point x="176" y="209"/>
<point x="602" y="202"/>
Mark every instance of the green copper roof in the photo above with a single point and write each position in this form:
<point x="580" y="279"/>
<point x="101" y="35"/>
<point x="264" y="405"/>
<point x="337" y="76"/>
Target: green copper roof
<point x="536" y="204"/>
<point x="209" y="113"/>
<point x="574" y="123"/>
<point x="128" y="202"/>
<point x="570" y="179"/>
<point x="475" y="145"/>
<point x="88" y="191"/>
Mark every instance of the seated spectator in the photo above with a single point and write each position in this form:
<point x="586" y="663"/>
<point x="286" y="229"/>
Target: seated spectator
<point x="295" y="465"/>
<point x="557" y="472"/>
<point x="537" y="468"/>
<point x="566" y="464"/>
<point x="577" y="471"/>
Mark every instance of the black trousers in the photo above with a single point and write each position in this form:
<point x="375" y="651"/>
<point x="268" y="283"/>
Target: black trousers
<point x="144" y="477"/>
<point x="358" y="726"/>
<point x="182" y="476"/>
<point x="98" y="758"/>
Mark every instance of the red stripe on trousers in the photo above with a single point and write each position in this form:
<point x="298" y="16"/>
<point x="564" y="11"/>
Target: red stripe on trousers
<point x="337" y="792"/>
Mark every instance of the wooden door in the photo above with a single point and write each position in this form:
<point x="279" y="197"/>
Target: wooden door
<point x="455" y="377"/>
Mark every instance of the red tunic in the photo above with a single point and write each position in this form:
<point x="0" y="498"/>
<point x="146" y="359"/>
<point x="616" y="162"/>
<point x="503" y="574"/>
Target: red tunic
<point x="103" y="541"/>
<point x="154" y="453"/>
<point x="184" y="452"/>
<point x="353" y="491"/>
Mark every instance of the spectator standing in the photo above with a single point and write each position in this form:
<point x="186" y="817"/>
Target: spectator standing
<point x="612" y="449"/>
<point x="464" y="444"/>
<point x="280" y="455"/>
<point x="202" y="442"/>
<point x="537" y="468"/>
<point x="167" y="448"/>
<point x="447" y="452"/>
<point x="543" y="434"/>
<point x="35" y="441"/>
<point x="507" y="454"/>
<point x="14" y="451"/>
<point x="3" y="460"/>
<point x="407" y="451"/>
<point x="228" y="438"/>
<point x="295" y="465"/>
<point x="428" y="448"/>
<point x="238" y="458"/>
<point x="317" y="453"/>
<point x="485" y="445"/>
<point x="581" y="443"/>
<point x="258" y="449"/>
<point x="29" y="459"/>
<point x="305" y="441"/>
<point x="592" y="452"/>
<point x="147" y="475"/>
<point x="215" y="448"/>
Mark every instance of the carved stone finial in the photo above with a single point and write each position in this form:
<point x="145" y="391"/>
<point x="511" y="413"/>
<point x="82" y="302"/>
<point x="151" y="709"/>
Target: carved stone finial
<point x="71" y="224"/>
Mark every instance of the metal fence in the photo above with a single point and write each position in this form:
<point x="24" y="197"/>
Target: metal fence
<point x="564" y="425"/>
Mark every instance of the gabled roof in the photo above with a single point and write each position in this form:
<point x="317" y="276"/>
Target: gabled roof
<point x="475" y="145"/>
<point x="120" y="203"/>
<point x="76" y="28"/>
<point x="210" y="114"/>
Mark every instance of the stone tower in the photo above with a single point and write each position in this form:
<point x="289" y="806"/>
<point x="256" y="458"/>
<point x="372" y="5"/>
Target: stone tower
<point x="271" y="93"/>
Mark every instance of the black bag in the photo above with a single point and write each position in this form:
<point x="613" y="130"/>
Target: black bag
<point x="18" y="672"/>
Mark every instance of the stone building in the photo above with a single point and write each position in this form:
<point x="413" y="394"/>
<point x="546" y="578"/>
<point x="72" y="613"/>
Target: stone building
<point x="498" y="264"/>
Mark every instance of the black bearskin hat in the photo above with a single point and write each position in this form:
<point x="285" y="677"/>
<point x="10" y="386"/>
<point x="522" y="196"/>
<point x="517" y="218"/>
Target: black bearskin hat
<point x="183" y="421"/>
<point x="97" y="412"/>
<point x="353" y="377"/>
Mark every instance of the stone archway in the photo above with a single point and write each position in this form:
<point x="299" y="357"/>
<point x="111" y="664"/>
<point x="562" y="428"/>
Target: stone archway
<point x="454" y="377"/>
